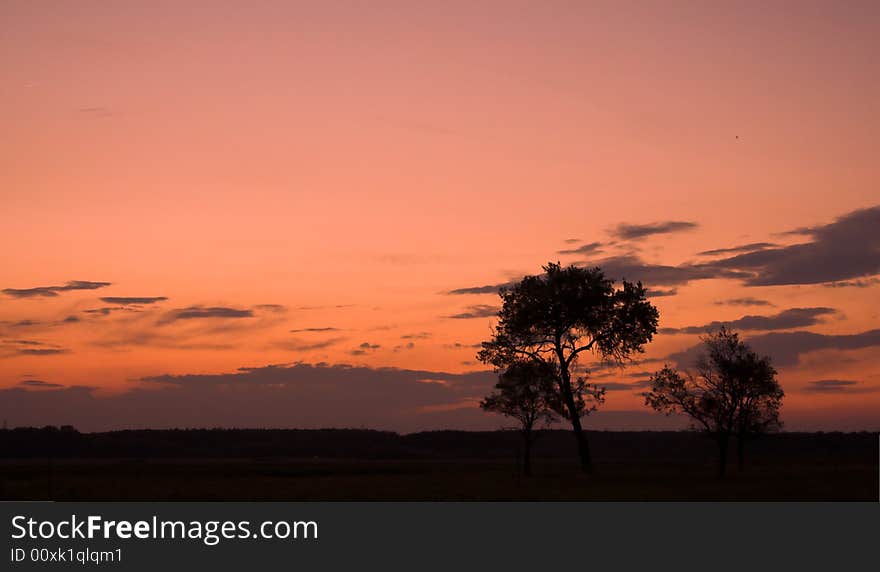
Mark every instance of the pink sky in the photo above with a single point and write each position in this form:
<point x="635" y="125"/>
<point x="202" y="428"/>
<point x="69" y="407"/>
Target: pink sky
<point x="343" y="166"/>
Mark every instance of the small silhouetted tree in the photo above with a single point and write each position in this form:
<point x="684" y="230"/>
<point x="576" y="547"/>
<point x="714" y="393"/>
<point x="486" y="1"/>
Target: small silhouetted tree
<point x="734" y="393"/>
<point x="559" y="315"/>
<point x="525" y="391"/>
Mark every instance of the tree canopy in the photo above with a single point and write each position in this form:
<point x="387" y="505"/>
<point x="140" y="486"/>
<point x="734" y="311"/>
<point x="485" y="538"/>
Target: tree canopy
<point x="734" y="392"/>
<point x="557" y="316"/>
<point x="526" y="392"/>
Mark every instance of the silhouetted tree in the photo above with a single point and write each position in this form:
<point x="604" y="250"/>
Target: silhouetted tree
<point x="525" y="392"/>
<point x="733" y="393"/>
<point x="557" y="316"/>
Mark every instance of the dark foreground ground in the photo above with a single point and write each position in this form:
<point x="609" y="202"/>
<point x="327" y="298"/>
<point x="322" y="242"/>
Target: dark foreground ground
<point x="371" y="465"/>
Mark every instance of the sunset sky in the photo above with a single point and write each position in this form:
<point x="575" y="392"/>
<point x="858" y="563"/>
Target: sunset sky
<point x="298" y="213"/>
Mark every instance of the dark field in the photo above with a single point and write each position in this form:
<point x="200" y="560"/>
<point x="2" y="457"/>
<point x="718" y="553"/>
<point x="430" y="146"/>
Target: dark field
<point x="371" y="465"/>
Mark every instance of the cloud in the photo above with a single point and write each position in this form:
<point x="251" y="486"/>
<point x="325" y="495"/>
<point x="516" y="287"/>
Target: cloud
<point x="129" y="300"/>
<point x="311" y="330"/>
<point x="843" y="253"/>
<point x="364" y="349"/>
<point x="22" y="347"/>
<point x="288" y="395"/>
<point x="40" y="384"/>
<point x="52" y="291"/>
<point x="41" y="351"/>
<point x="194" y="327"/>
<point x="609" y="368"/>
<point x="786" y="348"/>
<point x="417" y="336"/>
<point x="26" y="323"/>
<point x="746" y="301"/>
<point x="461" y="346"/>
<point x="854" y="283"/>
<point x="307" y="345"/>
<point x="487" y="289"/>
<point x="201" y="312"/>
<point x="621" y="386"/>
<point x="632" y="268"/>
<point x="626" y="231"/>
<point x="154" y="338"/>
<point x="838" y="386"/>
<point x="751" y="247"/>
<point x="476" y="311"/>
<point x="784" y="320"/>
<point x="591" y="248"/>
<point x="658" y="293"/>
<point x="107" y="310"/>
<point x="25" y="342"/>
<point x="97" y="112"/>
<point x="274" y="308"/>
<point x="38" y="324"/>
<point x="845" y="249"/>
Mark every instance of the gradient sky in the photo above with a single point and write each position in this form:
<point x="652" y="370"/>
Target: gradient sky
<point x="275" y="183"/>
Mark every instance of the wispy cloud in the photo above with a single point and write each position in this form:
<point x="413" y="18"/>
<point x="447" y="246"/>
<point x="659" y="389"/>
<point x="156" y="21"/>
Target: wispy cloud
<point x="52" y="291"/>
<point x="307" y="345"/>
<point x="745" y="301"/>
<point x="132" y="300"/>
<point x="844" y="253"/>
<point x="846" y="249"/>
<point x="487" y="289"/>
<point x="40" y="384"/>
<point x="839" y="386"/>
<point x="784" y="320"/>
<point x="365" y="348"/>
<point x="590" y="248"/>
<point x="786" y="348"/>
<point x="476" y="311"/>
<point x="659" y="293"/>
<point x="416" y="336"/>
<point x="867" y="283"/>
<point x="751" y="247"/>
<point x="203" y="312"/>
<point x="41" y="351"/>
<point x="625" y="231"/>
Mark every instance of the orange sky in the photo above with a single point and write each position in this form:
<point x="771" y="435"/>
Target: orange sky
<point x="346" y="165"/>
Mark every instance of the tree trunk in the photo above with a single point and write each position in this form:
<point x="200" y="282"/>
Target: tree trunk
<point x="723" y="443"/>
<point x="740" y="452"/>
<point x="527" y="454"/>
<point x="582" y="444"/>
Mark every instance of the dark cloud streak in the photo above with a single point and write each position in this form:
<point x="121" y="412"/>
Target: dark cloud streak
<point x="784" y="320"/>
<point x="129" y="300"/>
<point x="839" y="386"/>
<point x="476" y="311"/>
<point x="52" y="291"/>
<point x="754" y="246"/>
<point x="626" y="231"/>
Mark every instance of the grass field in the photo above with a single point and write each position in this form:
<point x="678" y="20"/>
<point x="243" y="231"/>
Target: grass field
<point x="294" y="479"/>
<point x="344" y="464"/>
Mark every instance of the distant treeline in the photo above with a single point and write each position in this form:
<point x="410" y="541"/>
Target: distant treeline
<point x="67" y="442"/>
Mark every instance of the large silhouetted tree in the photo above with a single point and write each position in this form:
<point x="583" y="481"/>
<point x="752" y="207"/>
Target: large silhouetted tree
<point x="526" y="392"/>
<point x="734" y="393"/>
<point x="557" y="316"/>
